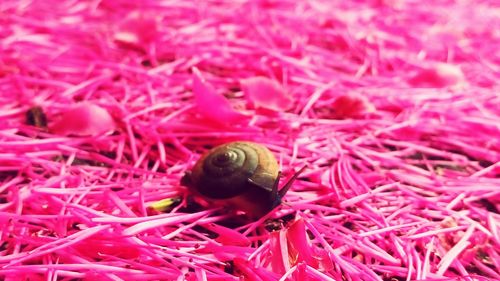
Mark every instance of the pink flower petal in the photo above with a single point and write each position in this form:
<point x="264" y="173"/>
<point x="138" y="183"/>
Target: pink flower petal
<point x="225" y="253"/>
<point x="211" y="105"/>
<point x="299" y="245"/>
<point x="302" y="273"/>
<point x="84" y="120"/>
<point x="293" y="245"/>
<point x="276" y="254"/>
<point x="228" y="236"/>
<point x="252" y="273"/>
<point x="351" y="105"/>
<point x="138" y="29"/>
<point x="98" y="247"/>
<point x="266" y="93"/>
<point x="439" y="76"/>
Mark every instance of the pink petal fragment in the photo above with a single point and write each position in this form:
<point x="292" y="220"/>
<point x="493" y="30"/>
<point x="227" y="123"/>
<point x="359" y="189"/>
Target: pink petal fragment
<point x="212" y="105"/>
<point x="155" y="223"/>
<point x="138" y="29"/>
<point x="251" y="273"/>
<point x="99" y="246"/>
<point x="351" y="105"/>
<point x="453" y="253"/>
<point x="291" y="247"/>
<point x="225" y="253"/>
<point x="56" y="245"/>
<point x="266" y="93"/>
<point x="299" y="245"/>
<point x="84" y="120"/>
<point x="276" y="254"/>
<point x="440" y="76"/>
<point x="228" y="236"/>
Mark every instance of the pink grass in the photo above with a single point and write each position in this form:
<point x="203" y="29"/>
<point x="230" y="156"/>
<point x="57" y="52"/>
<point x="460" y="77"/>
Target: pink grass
<point x="393" y="106"/>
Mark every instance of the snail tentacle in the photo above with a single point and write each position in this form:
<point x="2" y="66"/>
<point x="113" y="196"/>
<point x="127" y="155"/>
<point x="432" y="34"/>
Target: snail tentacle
<point x="289" y="183"/>
<point x="274" y="193"/>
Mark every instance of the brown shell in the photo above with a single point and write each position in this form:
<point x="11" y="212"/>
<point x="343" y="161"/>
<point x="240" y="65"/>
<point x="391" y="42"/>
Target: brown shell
<point x="241" y="174"/>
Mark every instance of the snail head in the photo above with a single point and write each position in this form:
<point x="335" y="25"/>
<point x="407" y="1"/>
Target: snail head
<point x="277" y="195"/>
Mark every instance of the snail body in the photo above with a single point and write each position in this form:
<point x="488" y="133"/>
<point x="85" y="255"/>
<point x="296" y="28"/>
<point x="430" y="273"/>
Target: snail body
<point x="243" y="175"/>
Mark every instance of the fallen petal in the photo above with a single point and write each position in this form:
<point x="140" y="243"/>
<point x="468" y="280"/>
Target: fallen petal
<point x="97" y="247"/>
<point x="228" y="236"/>
<point x="138" y="29"/>
<point x="225" y="253"/>
<point x="212" y="105"/>
<point x="266" y="93"/>
<point x="351" y="105"/>
<point x="84" y="120"/>
<point x="440" y="76"/>
<point x="252" y="273"/>
<point x="276" y="253"/>
<point x="299" y="247"/>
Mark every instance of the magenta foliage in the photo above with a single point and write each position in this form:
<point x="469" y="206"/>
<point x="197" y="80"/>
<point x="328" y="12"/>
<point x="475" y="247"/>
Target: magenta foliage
<point x="393" y="105"/>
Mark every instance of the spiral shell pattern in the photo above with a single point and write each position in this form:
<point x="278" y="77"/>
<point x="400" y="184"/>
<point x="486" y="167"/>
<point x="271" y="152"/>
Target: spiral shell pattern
<point x="233" y="169"/>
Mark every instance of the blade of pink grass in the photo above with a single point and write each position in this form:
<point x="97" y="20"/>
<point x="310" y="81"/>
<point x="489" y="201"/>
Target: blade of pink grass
<point x="493" y="223"/>
<point x="55" y="246"/>
<point x="452" y="254"/>
<point x="225" y="253"/>
<point x="315" y="272"/>
<point x="437" y="231"/>
<point x="249" y="272"/>
<point x="486" y="269"/>
<point x="46" y="267"/>
<point x="426" y="263"/>
<point x="314" y="97"/>
<point x="228" y="236"/>
<point x="418" y="143"/>
<point x="375" y="251"/>
<point x="154" y="223"/>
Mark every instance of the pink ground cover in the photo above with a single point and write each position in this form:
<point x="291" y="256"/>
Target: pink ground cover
<point x="393" y="105"/>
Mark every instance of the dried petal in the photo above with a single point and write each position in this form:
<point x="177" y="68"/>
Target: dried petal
<point x="300" y="249"/>
<point x="212" y="105"/>
<point x="85" y="119"/>
<point x="98" y="247"/>
<point x="137" y="29"/>
<point x="251" y="273"/>
<point x="228" y="236"/>
<point x="439" y="76"/>
<point x="276" y="253"/>
<point x="266" y="93"/>
<point x="350" y="106"/>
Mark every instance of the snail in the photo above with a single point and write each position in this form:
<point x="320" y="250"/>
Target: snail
<point x="242" y="175"/>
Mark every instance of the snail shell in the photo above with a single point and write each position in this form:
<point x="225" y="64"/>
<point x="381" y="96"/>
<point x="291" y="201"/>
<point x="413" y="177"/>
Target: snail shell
<point x="244" y="175"/>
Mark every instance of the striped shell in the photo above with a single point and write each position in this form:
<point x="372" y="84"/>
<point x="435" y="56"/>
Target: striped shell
<point x="235" y="168"/>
